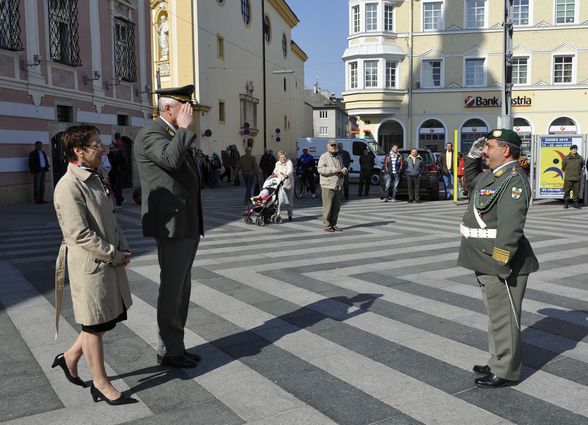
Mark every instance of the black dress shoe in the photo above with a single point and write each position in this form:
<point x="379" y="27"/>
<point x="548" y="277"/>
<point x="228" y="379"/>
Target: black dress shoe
<point x="60" y="361"/>
<point x="97" y="396"/>
<point x="493" y="381"/>
<point x="482" y="370"/>
<point x="193" y="356"/>
<point x="181" y="361"/>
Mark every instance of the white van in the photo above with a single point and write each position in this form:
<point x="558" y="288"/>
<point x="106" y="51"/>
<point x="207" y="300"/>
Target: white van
<point x="318" y="145"/>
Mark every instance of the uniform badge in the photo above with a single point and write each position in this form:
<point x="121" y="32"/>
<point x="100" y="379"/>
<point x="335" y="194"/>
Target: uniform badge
<point x="516" y="192"/>
<point x="170" y="132"/>
<point x="487" y="192"/>
<point x="497" y="133"/>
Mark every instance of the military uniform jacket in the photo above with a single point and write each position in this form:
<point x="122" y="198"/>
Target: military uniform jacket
<point x="170" y="184"/>
<point x="572" y="165"/>
<point x="502" y="200"/>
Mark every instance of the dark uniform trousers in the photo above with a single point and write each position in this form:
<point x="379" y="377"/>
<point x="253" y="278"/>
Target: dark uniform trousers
<point x="504" y="341"/>
<point x="571" y="186"/>
<point x="176" y="256"/>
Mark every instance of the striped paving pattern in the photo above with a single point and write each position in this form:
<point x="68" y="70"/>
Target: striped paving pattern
<point x="373" y="325"/>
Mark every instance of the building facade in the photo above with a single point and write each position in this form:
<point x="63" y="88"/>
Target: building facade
<point x="329" y="118"/>
<point x="417" y="70"/>
<point x="247" y="70"/>
<point x="65" y="62"/>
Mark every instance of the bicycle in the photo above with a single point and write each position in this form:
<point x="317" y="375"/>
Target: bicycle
<point x="301" y="186"/>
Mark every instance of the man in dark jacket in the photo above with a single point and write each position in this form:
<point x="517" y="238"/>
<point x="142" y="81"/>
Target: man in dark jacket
<point x="267" y="163"/>
<point x="446" y="166"/>
<point x="572" y="167"/>
<point x="118" y="163"/>
<point x="494" y="246"/>
<point x="414" y="168"/>
<point x="366" y="168"/>
<point x="345" y="159"/>
<point x="393" y="165"/>
<point x="38" y="166"/>
<point x="226" y="161"/>
<point x="172" y="214"/>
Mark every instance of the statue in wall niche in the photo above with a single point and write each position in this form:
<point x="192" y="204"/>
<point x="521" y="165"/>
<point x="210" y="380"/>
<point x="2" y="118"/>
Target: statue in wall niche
<point x="163" y="33"/>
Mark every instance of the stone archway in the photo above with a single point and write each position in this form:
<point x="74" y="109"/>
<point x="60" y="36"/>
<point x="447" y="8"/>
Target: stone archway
<point x="390" y="133"/>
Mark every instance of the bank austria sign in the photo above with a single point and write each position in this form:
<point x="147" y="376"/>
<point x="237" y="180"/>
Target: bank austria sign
<point x="494" y="101"/>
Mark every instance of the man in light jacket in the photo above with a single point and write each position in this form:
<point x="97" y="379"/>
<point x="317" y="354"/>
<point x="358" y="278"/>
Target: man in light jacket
<point x="332" y="174"/>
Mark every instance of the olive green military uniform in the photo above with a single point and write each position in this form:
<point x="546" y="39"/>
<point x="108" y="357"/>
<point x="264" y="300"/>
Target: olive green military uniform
<point x="572" y="165"/>
<point x="496" y="249"/>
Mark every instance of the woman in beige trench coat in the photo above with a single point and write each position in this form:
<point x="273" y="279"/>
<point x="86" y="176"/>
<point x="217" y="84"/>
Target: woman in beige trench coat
<point x="97" y="253"/>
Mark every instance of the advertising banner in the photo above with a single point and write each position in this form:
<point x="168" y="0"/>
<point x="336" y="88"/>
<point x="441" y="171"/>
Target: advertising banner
<point x="551" y="151"/>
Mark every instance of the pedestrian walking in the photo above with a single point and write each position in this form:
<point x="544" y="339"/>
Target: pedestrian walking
<point x="285" y="169"/>
<point x="572" y="166"/>
<point x="226" y="162"/>
<point x="118" y="166"/>
<point x="214" y="170"/>
<point x="171" y="212"/>
<point x="446" y="165"/>
<point x="96" y="253"/>
<point x="494" y="246"/>
<point x="307" y="168"/>
<point x="267" y="163"/>
<point x="460" y="174"/>
<point x="393" y="166"/>
<point x="345" y="159"/>
<point x="249" y="169"/>
<point x="366" y="168"/>
<point x="331" y="180"/>
<point x="235" y="157"/>
<point x="414" y="168"/>
<point x="38" y="166"/>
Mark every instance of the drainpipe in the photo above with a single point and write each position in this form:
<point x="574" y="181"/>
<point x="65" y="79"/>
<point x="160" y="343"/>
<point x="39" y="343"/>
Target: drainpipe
<point x="263" y="76"/>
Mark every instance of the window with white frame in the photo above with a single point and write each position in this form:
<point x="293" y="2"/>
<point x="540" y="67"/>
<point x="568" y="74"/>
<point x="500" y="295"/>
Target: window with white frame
<point x="474" y="72"/>
<point x="520" y="12"/>
<point x="371" y="16"/>
<point x="355" y="15"/>
<point x="431" y="73"/>
<point x="391" y="74"/>
<point x="388" y="17"/>
<point x="565" y="11"/>
<point x="475" y="13"/>
<point x="563" y="68"/>
<point x="432" y="15"/>
<point x="324" y="131"/>
<point x="323" y="114"/>
<point x="519" y="70"/>
<point x="353" y="75"/>
<point x="370" y="73"/>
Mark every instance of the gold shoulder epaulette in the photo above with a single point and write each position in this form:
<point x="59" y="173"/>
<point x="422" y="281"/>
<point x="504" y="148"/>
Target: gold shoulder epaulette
<point x="500" y="255"/>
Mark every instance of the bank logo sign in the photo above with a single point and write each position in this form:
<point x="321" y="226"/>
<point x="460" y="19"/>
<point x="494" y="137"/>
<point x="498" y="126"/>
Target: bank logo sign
<point x="494" y="101"/>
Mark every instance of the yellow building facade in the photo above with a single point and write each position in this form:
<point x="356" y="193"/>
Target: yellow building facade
<point x="221" y="47"/>
<point x="417" y="70"/>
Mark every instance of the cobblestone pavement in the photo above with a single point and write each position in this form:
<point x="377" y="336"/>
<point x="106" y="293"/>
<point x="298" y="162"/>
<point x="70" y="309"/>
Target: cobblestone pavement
<point x="372" y="325"/>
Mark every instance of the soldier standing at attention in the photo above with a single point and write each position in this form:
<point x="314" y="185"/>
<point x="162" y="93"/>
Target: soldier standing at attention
<point x="572" y="167"/>
<point x="494" y="246"/>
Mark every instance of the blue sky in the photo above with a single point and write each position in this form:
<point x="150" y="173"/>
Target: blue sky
<point x="322" y="33"/>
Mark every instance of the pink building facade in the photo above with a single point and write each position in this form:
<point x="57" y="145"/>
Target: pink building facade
<point x="66" y="62"/>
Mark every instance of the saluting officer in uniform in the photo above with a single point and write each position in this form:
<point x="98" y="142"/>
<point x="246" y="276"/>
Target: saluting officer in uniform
<point x="494" y="246"/>
<point x="171" y="212"/>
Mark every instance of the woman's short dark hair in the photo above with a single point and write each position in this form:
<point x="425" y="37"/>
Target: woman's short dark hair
<point x="77" y="136"/>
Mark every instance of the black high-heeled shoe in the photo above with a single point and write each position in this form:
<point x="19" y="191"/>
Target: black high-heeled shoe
<point x="97" y="395"/>
<point x="60" y="361"/>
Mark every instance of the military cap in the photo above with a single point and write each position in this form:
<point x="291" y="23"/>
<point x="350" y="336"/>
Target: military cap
<point x="573" y="147"/>
<point x="181" y="94"/>
<point x="505" y="135"/>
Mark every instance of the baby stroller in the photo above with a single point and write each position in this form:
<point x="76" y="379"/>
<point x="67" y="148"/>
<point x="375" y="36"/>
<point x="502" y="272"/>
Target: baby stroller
<point x="265" y="206"/>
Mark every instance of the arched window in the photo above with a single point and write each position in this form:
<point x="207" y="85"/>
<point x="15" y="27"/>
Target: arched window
<point x="470" y="131"/>
<point x="563" y="125"/>
<point x="246" y="11"/>
<point x="432" y="135"/>
<point x="523" y="129"/>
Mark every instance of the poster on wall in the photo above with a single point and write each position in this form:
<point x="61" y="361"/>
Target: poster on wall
<point x="551" y="150"/>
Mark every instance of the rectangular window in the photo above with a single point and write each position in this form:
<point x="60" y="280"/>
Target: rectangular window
<point x="353" y="75"/>
<point x="355" y="12"/>
<point x="124" y="50"/>
<point x="63" y="32"/>
<point x="565" y="11"/>
<point x="123" y="120"/>
<point x="431" y="76"/>
<point x="220" y="47"/>
<point x="474" y="72"/>
<point x="388" y="17"/>
<point x="370" y="73"/>
<point x="10" y="25"/>
<point x="323" y="114"/>
<point x="519" y="70"/>
<point x="432" y="15"/>
<point x="475" y="13"/>
<point x="221" y="111"/>
<point x="371" y="16"/>
<point x="520" y="12"/>
<point x="324" y="131"/>
<point x="64" y="113"/>
<point x="563" y="69"/>
<point x="391" y="74"/>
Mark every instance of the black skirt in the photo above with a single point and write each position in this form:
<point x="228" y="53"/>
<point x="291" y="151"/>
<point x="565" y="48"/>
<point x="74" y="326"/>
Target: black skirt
<point x="108" y="326"/>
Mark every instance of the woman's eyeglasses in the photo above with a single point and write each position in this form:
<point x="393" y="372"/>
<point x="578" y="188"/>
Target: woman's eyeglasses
<point x="98" y="146"/>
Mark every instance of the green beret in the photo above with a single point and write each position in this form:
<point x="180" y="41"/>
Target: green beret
<point x="505" y="135"/>
<point x="181" y="94"/>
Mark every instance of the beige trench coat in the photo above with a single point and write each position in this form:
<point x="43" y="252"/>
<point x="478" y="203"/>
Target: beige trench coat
<point x="99" y="291"/>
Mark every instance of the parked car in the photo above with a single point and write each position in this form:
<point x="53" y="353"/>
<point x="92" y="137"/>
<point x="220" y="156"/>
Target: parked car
<point x="429" y="186"/>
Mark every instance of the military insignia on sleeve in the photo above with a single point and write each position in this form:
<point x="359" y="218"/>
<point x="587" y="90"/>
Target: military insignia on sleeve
<point x="516" y="192"/>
